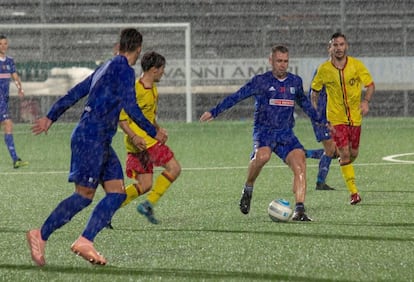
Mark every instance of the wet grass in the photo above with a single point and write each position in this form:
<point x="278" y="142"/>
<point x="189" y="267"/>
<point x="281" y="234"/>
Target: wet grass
<point x="202" y="235"/>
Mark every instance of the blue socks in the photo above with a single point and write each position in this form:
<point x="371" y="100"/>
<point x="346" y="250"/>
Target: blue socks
<point x="8" y="139"/>
<point x="324" y="164"/>
<point x="102" y="214"/>
<point x="63" y="213"/>
<point x="314" y="154"/>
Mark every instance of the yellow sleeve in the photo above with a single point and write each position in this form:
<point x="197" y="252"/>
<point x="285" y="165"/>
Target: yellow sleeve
<point x="364" y="74"/>
<point x="317" y="82"/>
<point x="123" y="115"/>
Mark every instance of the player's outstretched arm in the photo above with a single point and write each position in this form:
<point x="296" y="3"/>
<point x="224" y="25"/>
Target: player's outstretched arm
<point x="18" y="83"/>
<point x="207" y="116"/>
<point x="41" y="125"/>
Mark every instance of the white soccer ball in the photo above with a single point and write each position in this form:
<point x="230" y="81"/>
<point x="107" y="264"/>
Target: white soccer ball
<point x="279" y="210"/>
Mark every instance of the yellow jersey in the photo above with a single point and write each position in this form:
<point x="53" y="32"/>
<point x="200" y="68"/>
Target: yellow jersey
<point x="147" y="100"/>
<point x="344" y="89"/>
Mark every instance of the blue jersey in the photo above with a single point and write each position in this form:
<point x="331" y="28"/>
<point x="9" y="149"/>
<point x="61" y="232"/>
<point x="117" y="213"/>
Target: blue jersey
<point x="7" y="68"/>
<point x="274" y="101"/>
<point x="109" y="88"/>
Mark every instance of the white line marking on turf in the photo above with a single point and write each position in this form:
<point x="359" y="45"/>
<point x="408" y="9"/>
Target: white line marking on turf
<point x="33" y="172"/>
<point x="393" y="158"/>
<point x="21" y="172"/>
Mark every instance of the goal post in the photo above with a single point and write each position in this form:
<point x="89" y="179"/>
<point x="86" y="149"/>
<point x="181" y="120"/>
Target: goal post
<point x="29" y="33"/>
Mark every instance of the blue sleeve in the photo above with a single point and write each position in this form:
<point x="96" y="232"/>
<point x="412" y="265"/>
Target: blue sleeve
<point x="138" y="117"/>
<point x="244" y="92"/>
<point x="65" y="102"/>
<point x="131" y="108"/>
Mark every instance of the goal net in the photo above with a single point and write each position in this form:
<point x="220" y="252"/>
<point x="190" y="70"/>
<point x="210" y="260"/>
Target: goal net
<point x="51" y="58"/>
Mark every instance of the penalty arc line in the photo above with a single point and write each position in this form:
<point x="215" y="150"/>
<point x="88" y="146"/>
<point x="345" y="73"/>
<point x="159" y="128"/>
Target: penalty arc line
<point x="393" y="158"/>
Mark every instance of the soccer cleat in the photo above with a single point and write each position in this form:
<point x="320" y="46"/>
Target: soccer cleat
<point x="19" y="163"/>
<point x="323" y="186"/>
<point x="300" y="215"/>
<point x="146" y="209"/>
<point x="355" y="199"/>
<point x="245" y="200"/>
<point x="37" y="246"/>
<point x="84" y="248"/>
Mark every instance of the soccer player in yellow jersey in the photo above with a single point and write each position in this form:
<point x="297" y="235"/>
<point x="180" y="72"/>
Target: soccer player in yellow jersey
<point x="145" y="152"/>
<point x="343" y="77"/>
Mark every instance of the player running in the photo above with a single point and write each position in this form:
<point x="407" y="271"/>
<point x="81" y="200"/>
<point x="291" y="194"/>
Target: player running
<point x="109" y="88"/>
<point x="143" y="156"/>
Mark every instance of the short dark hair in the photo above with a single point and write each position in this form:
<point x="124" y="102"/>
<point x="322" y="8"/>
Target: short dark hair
<point x="336" y="35"/>
<point x="2" y="36"/>
<point x="280" y="48"/>
<point x="130" y="39"/>
<point x="152" y="59"/>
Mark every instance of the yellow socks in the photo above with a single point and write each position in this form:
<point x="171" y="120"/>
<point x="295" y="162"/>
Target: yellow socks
<point x="162" y="183"/>
<point x="348" y="174"/>
<point x="132" y="193"/>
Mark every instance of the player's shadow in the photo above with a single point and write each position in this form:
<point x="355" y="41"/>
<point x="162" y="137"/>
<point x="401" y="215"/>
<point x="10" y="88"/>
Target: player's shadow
<point x="304" y="235"/>
<point x="166" y="273"/>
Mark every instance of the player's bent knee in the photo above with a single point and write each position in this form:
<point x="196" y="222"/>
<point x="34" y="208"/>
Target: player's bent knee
<point x="263" y="157"/>
<point x="85" y="192"/>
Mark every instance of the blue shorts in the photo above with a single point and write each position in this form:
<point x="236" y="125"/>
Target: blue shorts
<point x="280" y="142"/>
<point x="321" y="132"/>
<point x="93" y="162"/>
<point x="4" y="110"/>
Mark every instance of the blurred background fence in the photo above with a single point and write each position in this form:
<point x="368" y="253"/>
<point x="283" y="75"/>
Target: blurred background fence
<point x="226" y="36"/>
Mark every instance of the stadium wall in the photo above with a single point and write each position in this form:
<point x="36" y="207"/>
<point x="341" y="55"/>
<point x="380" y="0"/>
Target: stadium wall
<point x="212" y="80"/>
<point x="225" y="35"/>
<point x="171" y="106"/>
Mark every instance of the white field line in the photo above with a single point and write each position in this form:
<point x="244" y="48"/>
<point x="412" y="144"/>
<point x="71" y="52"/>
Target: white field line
<point x="23" y="171"/>
<point x="394" y="158"/>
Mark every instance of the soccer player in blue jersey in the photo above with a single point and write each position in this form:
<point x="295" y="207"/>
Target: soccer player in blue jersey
<point x="275" y="93"/>
<point x="109" y="88"/>
<point x="323" y="136"/>
<point x="8" y="72"/>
